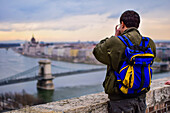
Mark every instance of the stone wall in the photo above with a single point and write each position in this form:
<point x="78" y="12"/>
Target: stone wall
<point x="158" y="98"/>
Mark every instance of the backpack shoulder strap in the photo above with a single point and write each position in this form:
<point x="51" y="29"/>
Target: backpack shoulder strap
<point x="125" y="40"/>
<point x="144" y="42"/>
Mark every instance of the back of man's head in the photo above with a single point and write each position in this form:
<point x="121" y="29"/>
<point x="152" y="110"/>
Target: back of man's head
<point x="130" y="18"/>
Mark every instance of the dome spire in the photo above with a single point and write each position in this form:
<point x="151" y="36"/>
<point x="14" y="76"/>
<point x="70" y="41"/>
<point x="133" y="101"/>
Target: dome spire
<point x="33" y="39"/>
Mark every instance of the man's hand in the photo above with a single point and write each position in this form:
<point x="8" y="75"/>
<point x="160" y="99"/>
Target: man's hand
<point x="167" y="83"/>
<point x="117" y="31"/>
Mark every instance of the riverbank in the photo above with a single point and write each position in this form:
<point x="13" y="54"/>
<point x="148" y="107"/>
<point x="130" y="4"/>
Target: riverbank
<point x="70" y="59"/>
<point x="157" y="67"/>
<point x="12" y="101"/>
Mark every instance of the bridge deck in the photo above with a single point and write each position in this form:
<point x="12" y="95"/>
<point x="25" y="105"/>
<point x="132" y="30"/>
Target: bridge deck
<point x="13" y="81"/>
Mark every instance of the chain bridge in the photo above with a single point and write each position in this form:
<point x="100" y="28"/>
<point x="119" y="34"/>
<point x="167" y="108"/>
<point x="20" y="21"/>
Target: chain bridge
<point x="42" y="73"/>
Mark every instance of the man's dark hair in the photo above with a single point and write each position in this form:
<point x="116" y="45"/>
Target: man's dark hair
<point x="130" y="18"/>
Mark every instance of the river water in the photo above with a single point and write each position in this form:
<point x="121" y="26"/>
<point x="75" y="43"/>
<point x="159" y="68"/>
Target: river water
<point x="66" y="87"/>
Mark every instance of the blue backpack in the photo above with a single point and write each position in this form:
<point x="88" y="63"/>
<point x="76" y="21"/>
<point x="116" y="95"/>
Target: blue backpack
<point x="135" y="74"/>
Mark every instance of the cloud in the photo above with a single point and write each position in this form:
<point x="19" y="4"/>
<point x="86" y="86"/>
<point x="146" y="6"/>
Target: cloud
<point x="49" y="10"/>
<point x="88" y="18"/>
<point x="69" y="24"/>
<point x="6" y="30"/>
<point x="45" y="10"/>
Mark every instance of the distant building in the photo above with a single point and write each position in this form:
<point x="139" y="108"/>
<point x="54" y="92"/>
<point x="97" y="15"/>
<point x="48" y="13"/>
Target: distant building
<point x="82" y="53"/>
<point x="163" y="50"/>
<point x="71" y="52"/>
<point x="67" y="52"/>
<point x="74" y="52"/>
<point x="33" y="48"/>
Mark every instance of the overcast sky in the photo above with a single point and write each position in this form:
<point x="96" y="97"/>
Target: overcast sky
<point x="84" y="20"/>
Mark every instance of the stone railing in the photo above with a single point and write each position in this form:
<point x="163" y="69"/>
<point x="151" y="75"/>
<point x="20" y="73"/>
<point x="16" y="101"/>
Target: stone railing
<point x="158" y="99"/>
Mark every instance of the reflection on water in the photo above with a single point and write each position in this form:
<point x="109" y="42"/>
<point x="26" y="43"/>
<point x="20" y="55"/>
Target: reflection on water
<point x="71" y="92"/>
<point x="68" y="92"/>
<point x="45" y="95"/>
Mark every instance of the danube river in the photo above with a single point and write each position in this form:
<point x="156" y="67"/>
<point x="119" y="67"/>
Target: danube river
<point x="66" y="87"/>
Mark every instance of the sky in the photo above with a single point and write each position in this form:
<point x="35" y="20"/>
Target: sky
<point x="79" y="20"/>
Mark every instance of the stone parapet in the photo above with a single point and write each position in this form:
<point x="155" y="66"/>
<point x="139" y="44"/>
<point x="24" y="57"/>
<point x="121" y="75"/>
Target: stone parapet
<point x="157" y="98"/>
<point x="159" y="92"/>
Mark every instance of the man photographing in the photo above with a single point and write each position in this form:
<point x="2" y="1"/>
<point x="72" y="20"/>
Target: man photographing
<point x="129" y="57"/>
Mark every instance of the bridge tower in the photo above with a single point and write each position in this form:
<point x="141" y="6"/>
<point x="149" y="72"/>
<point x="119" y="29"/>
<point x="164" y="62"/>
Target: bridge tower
<point x="45" y="82"/>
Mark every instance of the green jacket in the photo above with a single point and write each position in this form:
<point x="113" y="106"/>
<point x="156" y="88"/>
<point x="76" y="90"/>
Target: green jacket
<point x="114" y="47"/>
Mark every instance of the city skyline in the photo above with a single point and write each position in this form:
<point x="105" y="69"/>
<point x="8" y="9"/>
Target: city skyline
<point x="79" y="20"/>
